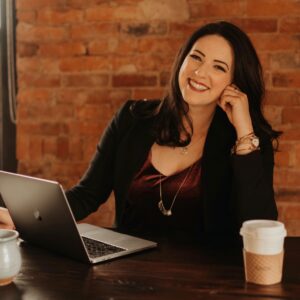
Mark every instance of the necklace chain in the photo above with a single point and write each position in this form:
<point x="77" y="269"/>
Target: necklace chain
<point x="168" y="212"/>
<point x="185" y="149"/>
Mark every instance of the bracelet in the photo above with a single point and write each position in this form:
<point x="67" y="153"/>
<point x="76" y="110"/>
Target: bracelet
<point x="245" y="137"/>
<point x="250" y="139"/>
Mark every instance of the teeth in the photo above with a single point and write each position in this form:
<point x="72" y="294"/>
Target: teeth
<point x="198" y="86"/>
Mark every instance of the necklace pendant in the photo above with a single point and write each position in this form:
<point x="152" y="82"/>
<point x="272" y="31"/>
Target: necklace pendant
<point x="165" y="212"/>
<point x="184" y="150"/>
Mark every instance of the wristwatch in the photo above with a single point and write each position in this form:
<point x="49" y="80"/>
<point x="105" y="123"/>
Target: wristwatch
<point x="254" y="141"/>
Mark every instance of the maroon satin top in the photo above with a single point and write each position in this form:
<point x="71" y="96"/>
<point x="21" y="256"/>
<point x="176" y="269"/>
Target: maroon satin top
<point x="142" y="213"/>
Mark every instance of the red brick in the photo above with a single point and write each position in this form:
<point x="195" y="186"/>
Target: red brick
<point x="272" y="7"/>
<point x="46" y="112"/>
<point x="58" y="17"/>
<point x="286" y="60"/>
<point x="274" y="42"/>
<point x="93" y="112"/>
<point x="265" y="60"/>
<point x="82" y="4"/>
<point x="83" y="64"/>
<point x="293" y="227"/>
<point x="291" y="115"/>
<point x="283" y="97"/>
<point x="88" y="128"/>
<point x="35" y="144"/>
<point x="148" y="93"/>
<point x="290" y="25"/>
<point x="134" y="80"/>
<point x="76" y="148"/>
<point x="291" y="132"/>
<point x="164" y="78"/>
<point x="26" y="16"/>
<point x="163" y="45"/>
<point x="38" y="80"/>
<point x="62" y="49"/>
<point x="49" y="146"/>
<point x="286" y="79"/>
<point x="89" y="80"/>
<point x="297" y="155"/>
<point x="285" y="196"/>
<point x="113" y="45"/>
<point x="116" y="96"/>
<point x="283" y="155"/>
<point x="137" y="29"/>
<point x="90" y="146"/>
<point x="43" y="128"/>
<point x="31" y="34"/>
<point x="62" y="148"/>
<point x="273" y="114"/>
<point x="143" y="63"/>
<point x="71" y="96"/>
<point x="93" y="96"/>
<point x="267" y="76"/>
<point x="107" y="12"/>
<point x="209" y="8"/>
<point x="95" y="31"/>
<point x="27" y="49"/>
<point x="287" y="178"/>
<point x="35" y="4"/>
<point x="99" y="47"/>
<point x="185" y="29"/>
<point x="41" y="96"/>
<point x="22" y="147"/>
<point x="259" y="25"/>
<point x="67" y="168"/>
<point x="292" y="212"/>
<point x="37" y="65"/>
<point x="282" y="159"/>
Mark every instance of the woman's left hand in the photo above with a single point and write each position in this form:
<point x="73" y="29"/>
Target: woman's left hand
<point x="236" y="106"/>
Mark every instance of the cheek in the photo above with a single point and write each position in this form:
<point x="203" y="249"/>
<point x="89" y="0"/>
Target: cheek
<point x="222" y="83"/>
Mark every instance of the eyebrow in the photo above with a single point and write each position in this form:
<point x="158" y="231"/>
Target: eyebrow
<point x="216" y="60"/>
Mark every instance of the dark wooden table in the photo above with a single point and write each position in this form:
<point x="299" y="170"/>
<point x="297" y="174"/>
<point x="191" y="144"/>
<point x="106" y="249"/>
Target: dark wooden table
<point x="180" y="269"/>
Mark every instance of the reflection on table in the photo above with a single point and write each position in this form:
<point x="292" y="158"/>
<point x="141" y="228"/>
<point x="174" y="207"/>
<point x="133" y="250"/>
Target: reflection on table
<point x="177" y="269"/>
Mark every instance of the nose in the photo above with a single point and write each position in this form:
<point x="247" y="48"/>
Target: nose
<point x="201" y="70"/>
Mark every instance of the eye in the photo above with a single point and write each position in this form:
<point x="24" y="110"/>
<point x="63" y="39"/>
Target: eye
<point x="220" y="68"/>
<point x="196" y="57"/>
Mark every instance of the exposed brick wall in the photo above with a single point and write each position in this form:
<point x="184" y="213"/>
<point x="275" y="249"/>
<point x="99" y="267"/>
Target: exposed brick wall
<point x="77" y="61"/>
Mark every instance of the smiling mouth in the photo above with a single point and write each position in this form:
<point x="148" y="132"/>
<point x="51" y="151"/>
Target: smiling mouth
<point x="197" y="86"/>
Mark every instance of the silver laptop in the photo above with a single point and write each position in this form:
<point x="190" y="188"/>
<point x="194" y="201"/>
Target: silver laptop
<point x="42" y="216"/>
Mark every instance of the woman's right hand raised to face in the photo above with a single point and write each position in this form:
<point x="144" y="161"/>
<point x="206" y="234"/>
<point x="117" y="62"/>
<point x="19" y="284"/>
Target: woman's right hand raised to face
<point x="5" y="220"/>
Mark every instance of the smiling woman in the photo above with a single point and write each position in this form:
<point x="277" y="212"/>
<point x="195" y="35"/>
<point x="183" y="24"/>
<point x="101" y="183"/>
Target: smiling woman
<point x="199" y="161"/>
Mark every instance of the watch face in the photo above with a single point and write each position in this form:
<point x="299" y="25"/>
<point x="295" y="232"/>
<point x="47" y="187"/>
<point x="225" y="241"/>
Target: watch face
<point x="255" y="142"/>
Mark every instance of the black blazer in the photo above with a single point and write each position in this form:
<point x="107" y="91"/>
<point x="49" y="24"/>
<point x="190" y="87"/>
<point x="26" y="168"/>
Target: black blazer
<point x="235" y="187"/>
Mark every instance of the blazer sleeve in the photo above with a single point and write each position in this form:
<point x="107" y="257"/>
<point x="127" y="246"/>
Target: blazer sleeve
<point x="252" y="184"/>
<point x="96" y="184"/>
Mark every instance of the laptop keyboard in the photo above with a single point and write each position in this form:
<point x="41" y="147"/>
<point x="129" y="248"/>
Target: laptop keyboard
<point x="98" y="249"/>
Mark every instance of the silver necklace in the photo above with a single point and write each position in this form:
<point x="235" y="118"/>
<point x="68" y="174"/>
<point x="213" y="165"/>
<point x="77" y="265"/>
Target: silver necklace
<point x="184" y="150"/>
<point x="168" y="212"/>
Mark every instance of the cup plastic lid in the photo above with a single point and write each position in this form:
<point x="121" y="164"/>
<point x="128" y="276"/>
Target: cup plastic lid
<point x="263" y="229"/>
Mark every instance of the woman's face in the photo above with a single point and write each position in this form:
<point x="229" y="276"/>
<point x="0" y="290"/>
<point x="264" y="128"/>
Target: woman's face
<point x="206" y="71"/>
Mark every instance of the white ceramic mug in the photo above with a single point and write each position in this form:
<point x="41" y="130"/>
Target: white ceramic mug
<point x="10" y="257"/>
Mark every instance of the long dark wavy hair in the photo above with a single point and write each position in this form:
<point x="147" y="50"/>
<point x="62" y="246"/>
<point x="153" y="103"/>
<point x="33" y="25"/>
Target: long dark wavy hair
<point x="247" y="77"/>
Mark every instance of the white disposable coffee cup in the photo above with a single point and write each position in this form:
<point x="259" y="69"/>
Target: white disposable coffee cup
<point x="263" y="250"/>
